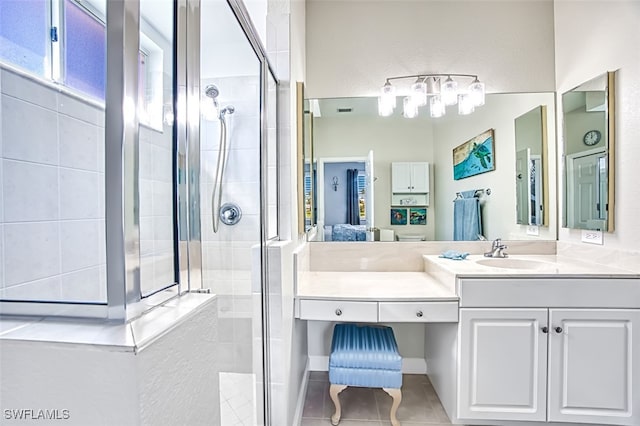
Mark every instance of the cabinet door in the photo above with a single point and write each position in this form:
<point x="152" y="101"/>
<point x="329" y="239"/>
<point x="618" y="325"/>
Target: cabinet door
<point x="400" y="177"/>
<point x="594" y="366"/>
<point x="420" y="177"/>
<point x="503" y="364"/>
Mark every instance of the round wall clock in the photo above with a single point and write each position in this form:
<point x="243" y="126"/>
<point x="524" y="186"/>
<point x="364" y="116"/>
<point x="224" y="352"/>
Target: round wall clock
<point x="592" y="137"/>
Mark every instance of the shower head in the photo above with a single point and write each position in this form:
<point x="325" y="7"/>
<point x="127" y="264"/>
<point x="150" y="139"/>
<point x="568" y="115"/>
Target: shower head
<point x="211" y="91"/>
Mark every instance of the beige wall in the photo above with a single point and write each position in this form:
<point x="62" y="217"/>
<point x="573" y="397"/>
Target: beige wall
<point x="352" y="46"/>
<point x="499" y="209"/>
<point x="611" y="43"/>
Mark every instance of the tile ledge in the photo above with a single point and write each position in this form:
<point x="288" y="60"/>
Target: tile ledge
<point x="133" y="336"/>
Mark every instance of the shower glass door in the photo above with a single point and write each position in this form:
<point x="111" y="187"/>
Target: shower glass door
<point x="230" y="207"/>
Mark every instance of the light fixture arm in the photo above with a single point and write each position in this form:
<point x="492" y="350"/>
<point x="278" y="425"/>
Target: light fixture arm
<point x="427" y="75"/>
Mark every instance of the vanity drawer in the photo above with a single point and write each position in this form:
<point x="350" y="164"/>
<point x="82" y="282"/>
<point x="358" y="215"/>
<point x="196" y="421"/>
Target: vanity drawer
<point x="336" y="310"/>
<point x="418" y="312"/>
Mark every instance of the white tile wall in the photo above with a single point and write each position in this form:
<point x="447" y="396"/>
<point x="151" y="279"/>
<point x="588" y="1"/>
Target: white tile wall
<point x="19" y="87"/>
<point x="227" y="255"/>
<point x="2" y="253"/>
<point x="34" y="254"/>
<point x="82" y="285"/>
<point x="79" y="247"/>
<point x="23" y="139"/>
<point x="79" y="195"/>
<point x="78" y="144"/>
<point x="30" y="191"/>
<point x="51" y="193"/>
<point x="156" y="209"/>
<point x="46" y="289"/>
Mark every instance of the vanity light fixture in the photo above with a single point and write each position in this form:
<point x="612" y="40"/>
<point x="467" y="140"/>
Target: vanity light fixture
<point x="437" y="90"/>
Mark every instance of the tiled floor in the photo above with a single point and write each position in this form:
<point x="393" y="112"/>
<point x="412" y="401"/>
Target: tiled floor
<point x="237" y="407"/>
<point x="370" y="407"/>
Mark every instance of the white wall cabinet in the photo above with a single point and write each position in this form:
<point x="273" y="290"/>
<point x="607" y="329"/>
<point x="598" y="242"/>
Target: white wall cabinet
<point x="410" y="177"/>
<point x="556" y="365"/>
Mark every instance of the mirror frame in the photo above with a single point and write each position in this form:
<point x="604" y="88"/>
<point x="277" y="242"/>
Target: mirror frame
<point x="300" y="154"/>
<point x="610" y="151"/>
<point x="304" y="144"/>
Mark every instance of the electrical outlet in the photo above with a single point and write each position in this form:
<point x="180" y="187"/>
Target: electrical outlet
<point x="533" y="230"/>
<point x="592" y="237"/>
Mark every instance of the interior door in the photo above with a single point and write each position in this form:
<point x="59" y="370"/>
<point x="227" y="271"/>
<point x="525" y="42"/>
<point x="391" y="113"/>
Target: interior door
<point x="594" y="363"/>
<point x="522" y="187"/>
<point x="369" y="196"/>
<point x="584" y="176"/>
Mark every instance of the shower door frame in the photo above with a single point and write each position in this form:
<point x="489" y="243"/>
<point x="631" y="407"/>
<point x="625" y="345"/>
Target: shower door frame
<point x="188" y="100"/>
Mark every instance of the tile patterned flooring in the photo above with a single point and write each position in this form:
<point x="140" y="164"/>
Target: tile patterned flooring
<point x="370" y="407"/>
<point x="237" y="407"/>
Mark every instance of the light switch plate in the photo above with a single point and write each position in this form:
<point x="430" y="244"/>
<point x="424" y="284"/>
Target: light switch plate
<point x="533" y="230"/>
<point x="592" y="237"/>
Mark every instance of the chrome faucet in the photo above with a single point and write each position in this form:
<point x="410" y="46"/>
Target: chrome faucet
<point x="496" y="249"/>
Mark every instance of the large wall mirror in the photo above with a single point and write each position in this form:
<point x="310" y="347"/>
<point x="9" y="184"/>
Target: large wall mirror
<point x="348" y="134"/>
<point x="588" y="125"/>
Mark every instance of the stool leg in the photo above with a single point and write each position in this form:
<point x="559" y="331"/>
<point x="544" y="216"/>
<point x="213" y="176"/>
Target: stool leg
<point x="334" y="390"/>
<point x="396" y="394"/>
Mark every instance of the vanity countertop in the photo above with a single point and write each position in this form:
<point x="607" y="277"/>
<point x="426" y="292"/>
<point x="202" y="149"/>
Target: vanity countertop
<point x="378" y="286"/>
<point x="538" y="266"/>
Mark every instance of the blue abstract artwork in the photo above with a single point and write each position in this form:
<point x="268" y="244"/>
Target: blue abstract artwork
<point x="475" y="156"/>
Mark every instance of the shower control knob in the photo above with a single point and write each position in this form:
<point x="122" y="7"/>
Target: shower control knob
<point x="338" y="312"/>
<point x="419" y="314"/>
<point x="558" y="330"/>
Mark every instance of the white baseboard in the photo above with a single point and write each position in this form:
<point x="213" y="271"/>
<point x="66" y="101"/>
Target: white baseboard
<point x="318" y="363"/>
<point x="414" y="366"/>
<point x="302" y="394"/>
<point x="409" y="365"/>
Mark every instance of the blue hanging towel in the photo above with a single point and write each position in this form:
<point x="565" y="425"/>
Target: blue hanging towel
<point x="467" y="222"/>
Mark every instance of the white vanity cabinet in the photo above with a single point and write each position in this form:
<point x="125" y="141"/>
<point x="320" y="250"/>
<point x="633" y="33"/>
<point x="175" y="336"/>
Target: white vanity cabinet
<point x="594" y="366"/>
<point x="410" y="177"/>
<point x="503" y="364"/>
<point x="550" y="364"/>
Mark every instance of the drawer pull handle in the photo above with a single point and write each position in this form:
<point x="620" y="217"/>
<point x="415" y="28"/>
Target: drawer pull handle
<point x="419" y="314"/>
<point x="545" y="329"/>
<point x="558" y="330"/>
<point x="338" y="312"/>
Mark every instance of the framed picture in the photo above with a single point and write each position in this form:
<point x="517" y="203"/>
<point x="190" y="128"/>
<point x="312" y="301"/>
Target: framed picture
<point x="475" y="156"/>
<point x="398" y="216"/>
<point x="418" y="216"/>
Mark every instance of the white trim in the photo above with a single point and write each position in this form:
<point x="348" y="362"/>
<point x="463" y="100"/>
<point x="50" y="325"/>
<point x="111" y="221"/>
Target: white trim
<point x="409" y="365"/>
<point x="586" y="153"/>
<point x="320" y="184"/>
<point x="318" y="363"/>
<point x="302" y="395"/>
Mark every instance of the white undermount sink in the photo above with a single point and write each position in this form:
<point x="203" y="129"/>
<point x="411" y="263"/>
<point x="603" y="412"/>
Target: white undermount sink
<point x="508" y="263"/>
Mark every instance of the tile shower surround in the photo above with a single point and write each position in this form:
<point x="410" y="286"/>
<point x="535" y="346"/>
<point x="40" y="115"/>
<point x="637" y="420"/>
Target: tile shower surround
<point x="52" y="196"/>
<point x="229" y="261"/>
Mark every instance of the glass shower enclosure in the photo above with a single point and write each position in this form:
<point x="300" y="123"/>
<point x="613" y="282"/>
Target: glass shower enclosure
<point x="195" y="189"/>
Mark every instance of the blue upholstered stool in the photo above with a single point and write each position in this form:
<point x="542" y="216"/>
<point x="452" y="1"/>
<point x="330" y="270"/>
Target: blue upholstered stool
<point x="365" y="356"/>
